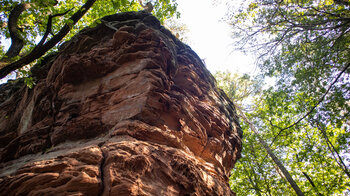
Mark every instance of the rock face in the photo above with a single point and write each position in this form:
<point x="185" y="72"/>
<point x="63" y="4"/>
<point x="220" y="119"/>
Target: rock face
<point x="124" y="108"/>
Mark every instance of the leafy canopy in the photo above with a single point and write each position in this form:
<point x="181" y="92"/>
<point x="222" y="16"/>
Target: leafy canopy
<point x="43" y="24"/>
<point x="304" y="46"/>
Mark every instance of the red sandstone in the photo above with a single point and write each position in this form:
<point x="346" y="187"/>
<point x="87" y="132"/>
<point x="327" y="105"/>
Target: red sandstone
<point x="131" y="112"/>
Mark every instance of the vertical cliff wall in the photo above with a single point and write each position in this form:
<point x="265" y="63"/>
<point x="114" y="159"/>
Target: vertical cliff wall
<point x="124" y="108"/>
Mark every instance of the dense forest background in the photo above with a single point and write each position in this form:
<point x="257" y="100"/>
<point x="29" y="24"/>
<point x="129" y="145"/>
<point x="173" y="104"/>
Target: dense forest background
<point x="296" y="129"/>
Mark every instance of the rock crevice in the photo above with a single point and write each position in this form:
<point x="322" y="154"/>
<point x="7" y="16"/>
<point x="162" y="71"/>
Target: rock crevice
<point x="101" y="168"/>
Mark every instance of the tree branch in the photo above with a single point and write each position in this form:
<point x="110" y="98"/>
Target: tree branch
<point x="37" y="53"/>
<point x="17" y="41"/>
<point x="311" y="182"/>
<point x="48" y="29"/>
<point x="333" y="150"/>
<point x="314" y="107"/>
<point x="342" y="2"/>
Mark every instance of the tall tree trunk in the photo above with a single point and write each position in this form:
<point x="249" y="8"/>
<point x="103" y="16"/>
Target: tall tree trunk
<point x="279" y="164"/>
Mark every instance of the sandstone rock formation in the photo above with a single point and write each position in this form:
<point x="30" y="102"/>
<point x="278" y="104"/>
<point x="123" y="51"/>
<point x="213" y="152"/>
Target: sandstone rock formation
<point x="124" y="108"/>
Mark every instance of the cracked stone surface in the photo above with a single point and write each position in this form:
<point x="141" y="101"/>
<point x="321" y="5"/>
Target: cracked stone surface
<point x="131" y="111"/>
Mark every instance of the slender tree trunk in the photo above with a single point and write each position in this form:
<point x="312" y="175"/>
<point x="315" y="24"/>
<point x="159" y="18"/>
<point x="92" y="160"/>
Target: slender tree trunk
<point x="278" y="163"/>
<point x="312" y="183"/>
<point x="271" y="154"/>
<point x="333" y="151"/>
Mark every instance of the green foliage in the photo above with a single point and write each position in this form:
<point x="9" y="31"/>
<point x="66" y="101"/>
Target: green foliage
<point x="240" y="88"/>
<point x="33" y="21"/>
<point x="304" y="45"/>
<point x="28" y="80"/>
<point x="303" y="149"/>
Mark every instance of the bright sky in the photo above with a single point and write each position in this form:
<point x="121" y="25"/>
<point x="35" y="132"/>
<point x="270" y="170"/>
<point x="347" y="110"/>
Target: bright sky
<point x="210" y="36"/>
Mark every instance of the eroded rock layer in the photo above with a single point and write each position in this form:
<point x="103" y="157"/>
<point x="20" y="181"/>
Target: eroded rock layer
<point x="124" y="108"/>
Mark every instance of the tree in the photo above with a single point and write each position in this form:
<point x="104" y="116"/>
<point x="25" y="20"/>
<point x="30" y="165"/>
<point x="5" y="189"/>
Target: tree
<point x="179" y="29"/>
<point x="304" y="45"/>
<point x="55" y="21"/>
<point x="272" y="155"/>
<point x="238" y="89"/>
<point x="304" y="153"/>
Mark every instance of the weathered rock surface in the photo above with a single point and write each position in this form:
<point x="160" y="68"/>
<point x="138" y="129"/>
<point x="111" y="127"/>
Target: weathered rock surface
<point x="131" y="111"/>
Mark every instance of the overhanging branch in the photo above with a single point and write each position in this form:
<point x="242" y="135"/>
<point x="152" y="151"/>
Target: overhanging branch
<point x="37" y="53"/>
<point x="17" y="41"/>
<point x="48" y="29"/>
